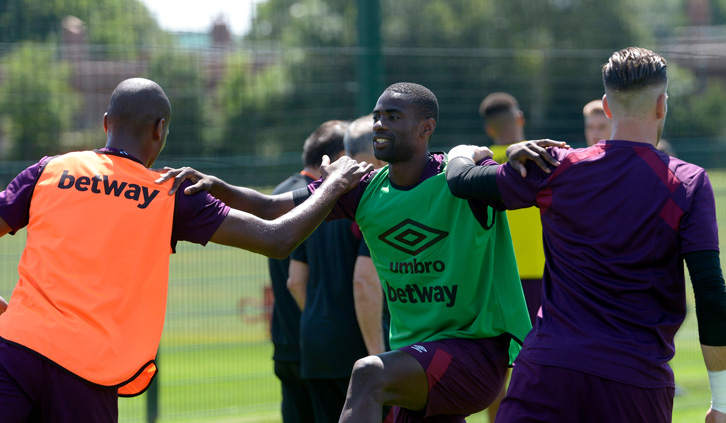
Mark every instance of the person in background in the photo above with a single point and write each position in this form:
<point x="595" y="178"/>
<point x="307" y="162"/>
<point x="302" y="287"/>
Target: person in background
<point x="504" y="124"/>
<point x="321" y="279"/>
<point x="367" y="291"/>
<point x="597" y="125"/>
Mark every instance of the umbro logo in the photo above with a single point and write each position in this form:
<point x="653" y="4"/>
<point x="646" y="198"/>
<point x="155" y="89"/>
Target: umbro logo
<point x="412" y="237"/>
<point x="419" y="348"/>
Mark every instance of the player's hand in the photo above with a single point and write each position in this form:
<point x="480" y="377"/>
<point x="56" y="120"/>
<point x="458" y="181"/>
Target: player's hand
<point x="472" y="152"/>
<point x="713" y="416"/>
<point x="346" y="170"/>
<point x="201" y="182"/>
<point x="3" y="305"/>
<point x="535" y="150"/>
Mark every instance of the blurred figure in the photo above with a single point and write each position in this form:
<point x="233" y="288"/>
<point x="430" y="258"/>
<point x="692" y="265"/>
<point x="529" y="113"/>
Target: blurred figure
<point x="321" y="279"/>
<point x="503" y="120"/>
<point x="296" y="404"/>
<point x="504" y="124"/>
<point x="367" y="291"/>
<point x="666" y="147"/>
<point x="597" y="124"/>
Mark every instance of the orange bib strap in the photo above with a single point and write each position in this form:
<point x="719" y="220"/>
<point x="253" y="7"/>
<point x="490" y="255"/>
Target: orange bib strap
<point x="140" y="382"/>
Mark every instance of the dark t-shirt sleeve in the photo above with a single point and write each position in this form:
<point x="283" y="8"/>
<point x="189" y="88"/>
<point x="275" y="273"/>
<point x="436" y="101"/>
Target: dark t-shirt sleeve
<point x="300" y="253"/>
<point x="468" y="181"/>
<point x="347" y="204"/>
<point x="363" y="249"/>
<point x="196" y="217"/>
<point x="15" y="199"/>
<point x="518" y="192"/>
<point x="699" y="228"/>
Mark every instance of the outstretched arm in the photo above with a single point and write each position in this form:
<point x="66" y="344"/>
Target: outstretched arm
<point x="240" y="198"/>
<point x="704" y="267"/>
<point x="277" y="238"/>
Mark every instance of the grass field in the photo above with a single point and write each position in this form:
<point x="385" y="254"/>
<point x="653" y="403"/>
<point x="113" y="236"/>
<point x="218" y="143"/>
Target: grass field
<point x="215" y="357"/>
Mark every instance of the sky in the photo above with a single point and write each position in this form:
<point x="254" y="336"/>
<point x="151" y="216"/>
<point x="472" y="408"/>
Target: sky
<point x="196" y="15"/>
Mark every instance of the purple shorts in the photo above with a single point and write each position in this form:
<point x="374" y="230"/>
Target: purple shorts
<point x="465" y="376"/>
<point x="35" y="390"/>
<point x="540" y="393"/>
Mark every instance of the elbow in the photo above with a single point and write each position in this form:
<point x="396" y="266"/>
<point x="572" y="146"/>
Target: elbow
<point x="282" y="246"/>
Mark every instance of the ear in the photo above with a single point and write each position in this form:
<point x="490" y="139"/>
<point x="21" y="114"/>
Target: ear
<point x="428" y="128"/>
<point x="158" y="131"/>
<point x="491" y="133"/>
<point x="105" y="123"/>
<point x="606" y="107"/>
<point x="661" y="106"/>
<point x="520" y="118"/>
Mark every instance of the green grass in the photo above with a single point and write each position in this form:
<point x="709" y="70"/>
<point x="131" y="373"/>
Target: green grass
<point x="215" y="357"/>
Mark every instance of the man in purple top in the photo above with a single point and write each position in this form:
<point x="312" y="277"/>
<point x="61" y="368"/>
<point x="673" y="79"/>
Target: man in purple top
<point x="36" y="388"/>
<point x="618" y="220"/>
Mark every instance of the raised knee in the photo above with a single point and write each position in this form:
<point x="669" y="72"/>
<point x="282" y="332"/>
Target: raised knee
<point x="367" y="372"/>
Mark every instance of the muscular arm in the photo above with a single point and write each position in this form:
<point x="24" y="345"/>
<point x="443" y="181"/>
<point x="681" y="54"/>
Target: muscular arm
<point x="240" y="198"/>
<point x="368" y="300"/>
<point x="277" y="238"/>
<point x="297" y="281"/>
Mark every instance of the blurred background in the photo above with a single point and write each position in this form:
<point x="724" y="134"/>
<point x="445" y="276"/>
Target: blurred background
<point x="250" y="80"/>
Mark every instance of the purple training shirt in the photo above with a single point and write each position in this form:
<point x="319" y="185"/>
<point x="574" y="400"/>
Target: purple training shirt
<point x="617" y="218"/>
<point x="196" y="217"/>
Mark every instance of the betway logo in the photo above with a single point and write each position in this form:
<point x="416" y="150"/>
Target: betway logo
<point x="413" y="294"/>
<point x="102" y="185"/>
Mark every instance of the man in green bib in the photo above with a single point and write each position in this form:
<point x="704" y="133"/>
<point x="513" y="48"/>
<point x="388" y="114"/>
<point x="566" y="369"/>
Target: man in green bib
<point x="447" y="267"/>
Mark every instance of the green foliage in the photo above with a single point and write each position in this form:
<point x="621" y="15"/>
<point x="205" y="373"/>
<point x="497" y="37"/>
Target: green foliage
<point x="38" y="100"/>
<point x="695" y="106"/>
<point x="123" y="26"/>
<point x="177" y="72"/>
<point x="251" y="102"/>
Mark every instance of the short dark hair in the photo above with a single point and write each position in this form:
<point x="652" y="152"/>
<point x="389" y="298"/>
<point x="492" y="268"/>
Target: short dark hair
<point x="425" y="102"/>
<point x="137" y="103"/>
<point x="634" y="68"/>
<point x="326" y="140"/>
<point x="496" y="103"/>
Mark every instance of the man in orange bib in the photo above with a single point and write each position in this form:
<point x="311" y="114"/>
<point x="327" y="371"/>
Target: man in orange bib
<point x="85" y="319"/>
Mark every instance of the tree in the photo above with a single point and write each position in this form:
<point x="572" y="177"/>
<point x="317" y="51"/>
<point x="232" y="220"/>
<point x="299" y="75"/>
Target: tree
<point x="37" y="99"/>
<point x="124" y="26"/>
<point x="254" y="105"/>
<point x="181" y="78"/>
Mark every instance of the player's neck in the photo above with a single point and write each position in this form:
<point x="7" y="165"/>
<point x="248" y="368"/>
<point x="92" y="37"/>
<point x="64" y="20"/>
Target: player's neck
<point x="311" y="172"/>
<point x="408" y="173"/>
<point x="634" y="130"/>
